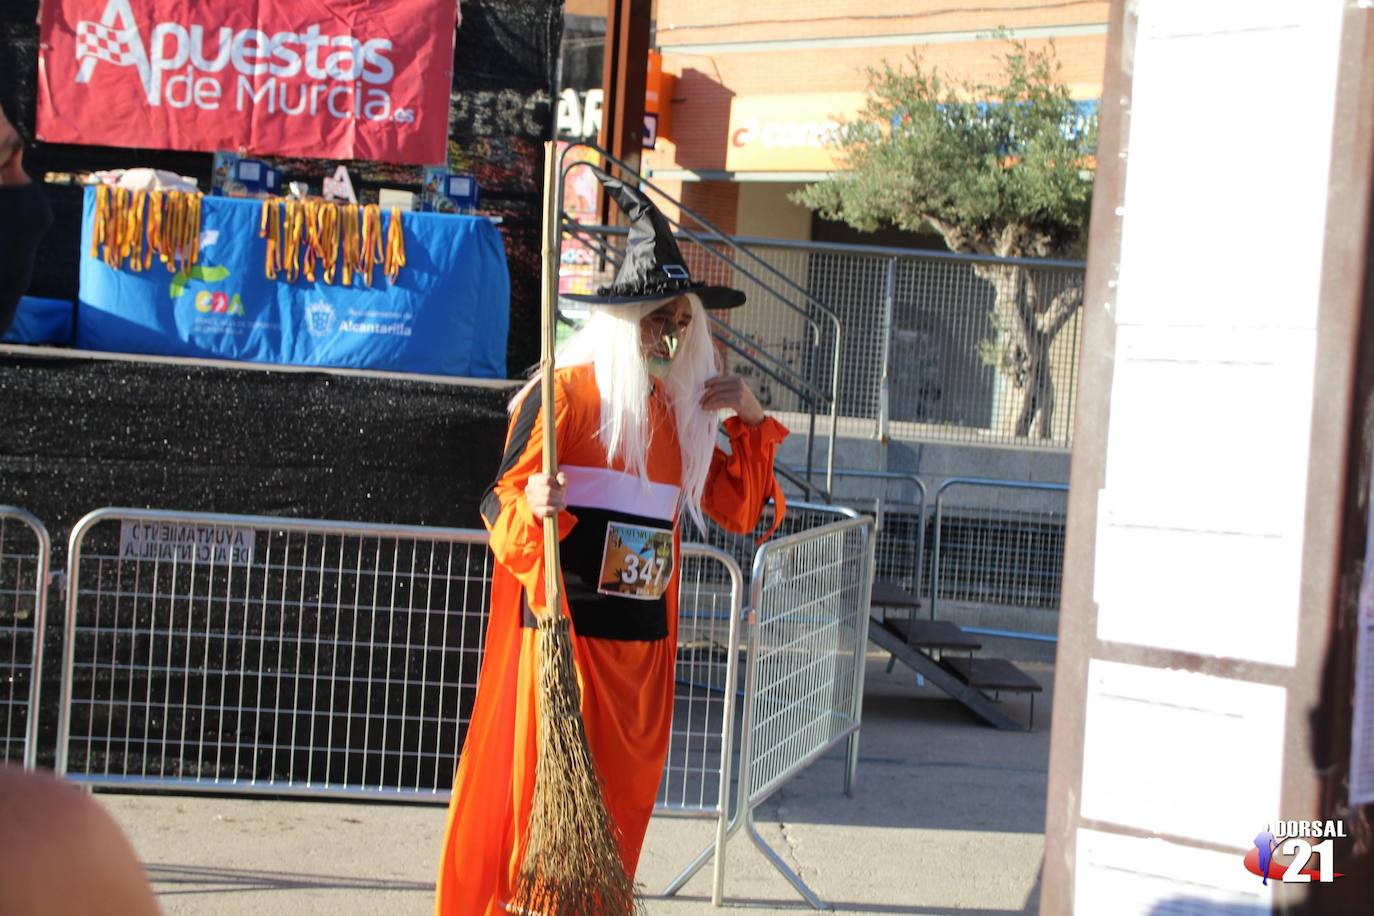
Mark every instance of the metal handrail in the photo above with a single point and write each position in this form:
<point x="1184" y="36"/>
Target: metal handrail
<point x="787" y="377"/>
<point x="574" y="227"/>
<point x="757" y="355"/>
<point x="800" y="386"/>
<point x="626" y="168"/>
<point x="905" y="477"/>
<point x="796" y="478"/>
<point x="565" y="169"/>
<point x="880" y="250"/>
<point x="592" y="239"/>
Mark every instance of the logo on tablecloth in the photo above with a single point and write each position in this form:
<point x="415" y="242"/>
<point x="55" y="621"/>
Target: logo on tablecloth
<point x="319" y="319"/>
<point x="206" y="301"/>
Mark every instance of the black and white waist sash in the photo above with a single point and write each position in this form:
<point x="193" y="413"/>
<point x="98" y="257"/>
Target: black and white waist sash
<point x="620" y="557"/>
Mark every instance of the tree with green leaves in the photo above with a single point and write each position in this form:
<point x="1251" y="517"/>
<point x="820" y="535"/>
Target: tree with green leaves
<point x="1000" y="169"/>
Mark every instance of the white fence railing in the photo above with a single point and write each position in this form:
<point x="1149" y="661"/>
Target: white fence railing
<point x="25" y="551"/>
<point x="252" y="654"/>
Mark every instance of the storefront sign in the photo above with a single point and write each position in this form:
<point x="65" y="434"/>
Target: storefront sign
<point x="786" y="133"/>
<point x="275" y="77"/>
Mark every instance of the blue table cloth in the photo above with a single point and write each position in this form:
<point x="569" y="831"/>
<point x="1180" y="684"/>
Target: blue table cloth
<point x="447" y="314"/>
<point x="41" y="321"/>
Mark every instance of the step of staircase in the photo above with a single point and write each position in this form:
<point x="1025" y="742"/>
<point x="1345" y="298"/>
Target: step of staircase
<point x="996" y="674"/>
<point x="893" y="595"/>
<point x="885" y="635"/>
<point x="934" y="634"/>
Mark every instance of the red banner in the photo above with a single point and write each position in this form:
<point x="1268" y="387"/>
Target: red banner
<point x="361" y="79"/>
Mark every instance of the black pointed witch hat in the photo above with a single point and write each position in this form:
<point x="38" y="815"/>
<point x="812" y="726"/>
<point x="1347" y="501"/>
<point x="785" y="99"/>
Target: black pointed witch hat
<point x="653" y="267"/>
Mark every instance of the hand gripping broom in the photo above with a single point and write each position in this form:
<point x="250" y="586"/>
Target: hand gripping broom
<point x="571" y="864"/>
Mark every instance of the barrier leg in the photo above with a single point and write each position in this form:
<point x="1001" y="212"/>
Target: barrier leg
<point x="792" y="877"/>
<point x="692" y="868"/>
<point x="723" y="834"/>
<point x="851" y="770"/>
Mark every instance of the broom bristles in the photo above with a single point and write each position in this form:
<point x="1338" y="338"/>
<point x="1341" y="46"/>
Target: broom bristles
<point x="572" y="864"/>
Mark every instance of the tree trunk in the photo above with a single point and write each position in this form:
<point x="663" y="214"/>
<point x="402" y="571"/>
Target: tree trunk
<point x="1026" y="328"/>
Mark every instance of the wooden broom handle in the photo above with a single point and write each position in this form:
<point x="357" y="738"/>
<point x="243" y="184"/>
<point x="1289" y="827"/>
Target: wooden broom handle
<point x="548" y="334"/>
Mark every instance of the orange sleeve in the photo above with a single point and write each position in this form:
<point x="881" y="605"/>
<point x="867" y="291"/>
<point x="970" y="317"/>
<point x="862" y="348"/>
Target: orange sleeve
<point x="517" y="537"/>
<point x="740" y="484"/>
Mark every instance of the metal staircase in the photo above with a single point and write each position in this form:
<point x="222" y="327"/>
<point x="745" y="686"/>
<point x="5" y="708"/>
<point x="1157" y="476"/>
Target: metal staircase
<point x="809" y="369"/>
<point x="943" y="654"/>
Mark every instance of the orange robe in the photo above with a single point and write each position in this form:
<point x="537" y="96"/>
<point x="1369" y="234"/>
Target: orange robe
<point x="624" y="648"/>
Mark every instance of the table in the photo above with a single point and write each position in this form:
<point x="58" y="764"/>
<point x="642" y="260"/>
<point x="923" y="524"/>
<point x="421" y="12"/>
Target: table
<point x="447" y="314"/>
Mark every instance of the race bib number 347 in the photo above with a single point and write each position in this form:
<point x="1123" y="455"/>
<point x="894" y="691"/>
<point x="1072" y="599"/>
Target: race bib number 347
<point x="637" y="562"/>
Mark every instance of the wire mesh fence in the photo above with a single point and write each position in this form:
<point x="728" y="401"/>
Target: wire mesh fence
<point x="799" y="516"/>
<point x="803" y="671"/>
<point x="931" y="346"/>
<point x="250" y="654"/>
<point x="696" y="778"/>
<point x="807" y="648"/>
<point x="24" y="556"/>
<point x="999" y="551"/>
<point x="235" y="653"/>
<point x="998" y="545"/>
<point x="256" y="654"/>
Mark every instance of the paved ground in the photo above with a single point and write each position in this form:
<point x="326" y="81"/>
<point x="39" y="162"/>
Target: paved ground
<point x="947" y="819"/>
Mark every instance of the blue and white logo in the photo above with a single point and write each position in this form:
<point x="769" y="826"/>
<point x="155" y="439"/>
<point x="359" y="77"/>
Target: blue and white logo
<point x="319" y="319"/>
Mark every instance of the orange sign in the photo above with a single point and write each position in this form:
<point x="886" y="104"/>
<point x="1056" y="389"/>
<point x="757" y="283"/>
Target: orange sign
<point x="787" y="133"/>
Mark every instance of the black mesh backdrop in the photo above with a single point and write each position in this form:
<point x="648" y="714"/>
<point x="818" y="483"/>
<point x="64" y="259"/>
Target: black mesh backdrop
<point x="83" y="433"/>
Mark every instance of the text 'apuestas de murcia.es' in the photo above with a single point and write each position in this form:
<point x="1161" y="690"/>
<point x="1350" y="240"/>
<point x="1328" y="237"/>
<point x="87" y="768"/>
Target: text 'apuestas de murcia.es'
<point x="184" y="64"/>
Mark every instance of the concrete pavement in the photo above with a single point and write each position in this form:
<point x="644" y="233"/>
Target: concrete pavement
<point x="947" y="818"/>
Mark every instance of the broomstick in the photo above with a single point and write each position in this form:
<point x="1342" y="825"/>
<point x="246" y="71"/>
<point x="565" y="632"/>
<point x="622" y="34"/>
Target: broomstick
<point x="571" y="864"/>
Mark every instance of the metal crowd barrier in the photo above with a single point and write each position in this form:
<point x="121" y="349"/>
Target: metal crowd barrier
<point x="803" y="693"/>
<point x="696" y="778"/>
<point x="701" y="752"/>
<point x="899" y="525"/>
<point x="254" y="654"/>
<point x="227" y="653"/>
<point x="800" y="516"/>
<point x="25" y="551"/>
<point x="1002" y="554"/>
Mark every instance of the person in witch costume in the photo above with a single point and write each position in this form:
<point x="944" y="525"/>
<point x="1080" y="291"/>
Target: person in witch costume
<point x="638" y="400"/>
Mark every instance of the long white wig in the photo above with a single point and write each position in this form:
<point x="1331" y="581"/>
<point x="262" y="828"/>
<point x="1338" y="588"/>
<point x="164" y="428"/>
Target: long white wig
<point x="610" y="341"/>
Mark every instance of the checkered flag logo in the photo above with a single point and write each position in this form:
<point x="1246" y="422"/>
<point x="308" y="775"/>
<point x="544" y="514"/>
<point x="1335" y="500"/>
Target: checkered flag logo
<point x="103" y="42"/>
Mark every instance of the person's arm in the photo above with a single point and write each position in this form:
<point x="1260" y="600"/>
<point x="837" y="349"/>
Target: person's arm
<point x="24" y="218"/>
<point x="740" y="484"/>
<point x="516" y="526"/>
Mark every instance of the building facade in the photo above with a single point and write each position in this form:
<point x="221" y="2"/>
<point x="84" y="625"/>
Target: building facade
<point x="747" y="100"/>
<point x="756" y="88"/>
